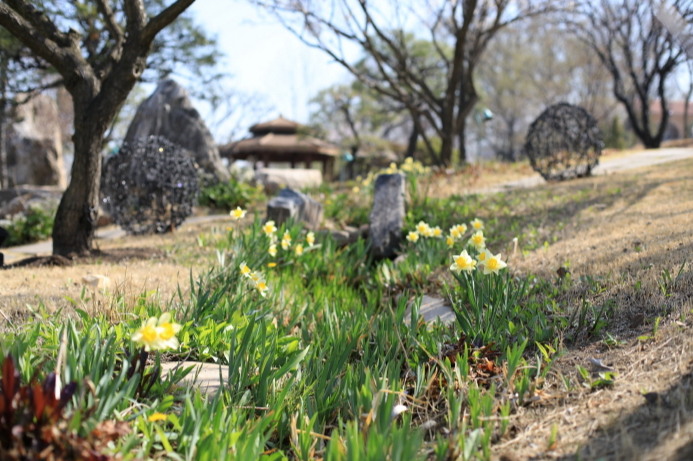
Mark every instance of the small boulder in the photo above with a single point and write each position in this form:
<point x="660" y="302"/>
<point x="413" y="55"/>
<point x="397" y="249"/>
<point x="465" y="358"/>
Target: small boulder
<point x="274" y="179"/>
<point x="98" y="282"/>
<point x="432" y="309"/>
<point x="387" y="215"/>
<point x="297" y="206"/>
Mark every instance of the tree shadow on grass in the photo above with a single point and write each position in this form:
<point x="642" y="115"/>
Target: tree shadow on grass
<point x="645" y="431"/>
<point x="557" y="203"/>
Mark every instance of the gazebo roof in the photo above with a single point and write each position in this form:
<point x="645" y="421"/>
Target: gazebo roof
<point x="283" y="144"/>
<point x="279" y="125"/>
<point x="278" y="137"/>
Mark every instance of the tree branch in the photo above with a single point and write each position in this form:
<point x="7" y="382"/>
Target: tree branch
<point x="35" y="40"/>
<point x="39" y="20"/>
<point x="163" y="19"/>
<point x="110" y="20"/>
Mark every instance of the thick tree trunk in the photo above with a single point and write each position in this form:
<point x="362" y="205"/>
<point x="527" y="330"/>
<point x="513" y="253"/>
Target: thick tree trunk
<point x="4" y="172"/>
<point x="446" y="148"/>
<point x="461" y="140"/>
<point x="413" y="140"/>
<point x="4" y="112"/>
<point x="75" y="221"/>
<point x="686" y="129"/>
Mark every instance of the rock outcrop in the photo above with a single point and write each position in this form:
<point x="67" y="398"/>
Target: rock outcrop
<point x="168" y="112"/>
<point x="34" y="144"/>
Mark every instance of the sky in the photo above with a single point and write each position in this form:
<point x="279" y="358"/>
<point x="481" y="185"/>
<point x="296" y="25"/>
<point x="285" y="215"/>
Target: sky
<point x="266" y="59"/>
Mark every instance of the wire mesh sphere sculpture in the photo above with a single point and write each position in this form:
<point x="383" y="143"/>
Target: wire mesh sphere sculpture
<point x="564" y="142"/>
<point x="150" y="186"/>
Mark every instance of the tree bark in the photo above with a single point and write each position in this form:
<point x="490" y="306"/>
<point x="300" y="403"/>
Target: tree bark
<point x="75" y="221"/>
<point x="413" y="140"/>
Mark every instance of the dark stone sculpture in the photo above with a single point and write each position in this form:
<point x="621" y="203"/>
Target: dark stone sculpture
<point x="387" y="215"/>
<point x="564" y="142"/>
<point x="150" y="186"/>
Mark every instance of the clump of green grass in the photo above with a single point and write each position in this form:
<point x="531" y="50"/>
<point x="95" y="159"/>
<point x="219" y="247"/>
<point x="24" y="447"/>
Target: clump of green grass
<point x="323" y="362"/>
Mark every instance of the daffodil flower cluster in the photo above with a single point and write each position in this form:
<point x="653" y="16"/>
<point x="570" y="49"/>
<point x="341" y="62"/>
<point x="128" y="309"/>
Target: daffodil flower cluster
<point x="475" y="256"/>
<point x="256" y="278"/>
<point x="424" y="230"/>
<point x="410" y="166"/>
<point x="157" y="333"/>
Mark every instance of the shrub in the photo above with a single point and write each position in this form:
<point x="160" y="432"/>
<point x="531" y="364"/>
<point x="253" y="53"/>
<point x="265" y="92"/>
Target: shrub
<point x="34" y="225"/>
<point x="228" y="195"/>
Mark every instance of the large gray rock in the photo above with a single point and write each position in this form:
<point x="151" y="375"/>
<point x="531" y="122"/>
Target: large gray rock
<point x="275" y="179"/>
<point x="168" y="112"/>
<point x="387" y="215"/>
<point x="296" y="206"/>
<point x="34" y="144"/>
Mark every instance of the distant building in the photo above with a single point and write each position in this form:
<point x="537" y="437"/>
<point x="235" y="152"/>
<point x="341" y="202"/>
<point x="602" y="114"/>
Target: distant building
<point x="280" y="141"/>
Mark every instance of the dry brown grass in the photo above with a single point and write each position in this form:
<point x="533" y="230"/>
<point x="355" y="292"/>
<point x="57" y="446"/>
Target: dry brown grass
<point x="56" y="286"/>
<point x="624" y="245"/>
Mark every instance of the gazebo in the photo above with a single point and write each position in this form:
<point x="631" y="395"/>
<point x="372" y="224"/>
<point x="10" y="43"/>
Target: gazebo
<point x="279" y="141"/>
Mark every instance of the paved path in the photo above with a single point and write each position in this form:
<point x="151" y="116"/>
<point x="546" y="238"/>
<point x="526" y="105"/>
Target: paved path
<point x="13" y="254"/>
<point x="606" y="166"/>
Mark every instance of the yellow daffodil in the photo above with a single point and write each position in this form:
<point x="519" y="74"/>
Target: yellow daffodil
<point x="286" y="244"/>
<point x="478" y="240"/>
<point x="393" y="166"/>
<point x="310" y="238"/>
<point x="157" y="417"/>
<point x="450" y="241"/>
<point x="269" y="228"/>
<point x="422" y="228"/>
<point x="255" y="276"/>
<point x="245" y="270"/>
<point x="271" y="264"/>
<point x="167" y="331"/>
<point x="463" y="262"/>
<point x="408" y="160"/>
<point x="287" y="236"/>
<point x="261" y="287"/>
<point x="238" y="213"/>
<point x="272" y="250"/>
<point x="437" y="232"/>
<point x="461" y="228"/>
<point x="298" y="250"/>
<point x="454" y="233"/>
<point x="477" y="224"/>
<point x="413" y="237"/>
<point x="147" y="335"/>
<point x="355" y="190"/>
<point x="494" y="264"/>
<point x="484" y="254"/>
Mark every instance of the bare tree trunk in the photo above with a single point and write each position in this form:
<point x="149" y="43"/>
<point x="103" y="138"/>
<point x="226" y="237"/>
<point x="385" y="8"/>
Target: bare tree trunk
<point x="686" y="129"/>
<point x="75" y="221"/>
<point x="413" y="140"/>
<point x="4" y="108"/>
